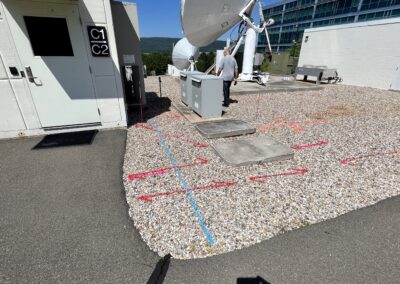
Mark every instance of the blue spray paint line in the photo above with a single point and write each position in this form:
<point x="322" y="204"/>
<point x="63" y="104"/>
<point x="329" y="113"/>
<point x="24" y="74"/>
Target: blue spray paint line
<point x="179" y="174"/>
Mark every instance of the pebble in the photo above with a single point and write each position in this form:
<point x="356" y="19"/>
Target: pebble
<point x="357" y="167"/>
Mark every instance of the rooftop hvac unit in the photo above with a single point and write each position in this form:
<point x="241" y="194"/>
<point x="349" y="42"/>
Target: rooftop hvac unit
<point x="207" y="95"/>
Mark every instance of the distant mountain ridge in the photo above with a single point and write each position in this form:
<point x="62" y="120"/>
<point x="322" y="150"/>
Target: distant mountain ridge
<point x="165" y="45"/>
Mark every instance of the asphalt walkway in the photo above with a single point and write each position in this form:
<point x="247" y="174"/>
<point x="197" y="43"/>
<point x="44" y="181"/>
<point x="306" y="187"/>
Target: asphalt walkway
<point x="63" y="215"/>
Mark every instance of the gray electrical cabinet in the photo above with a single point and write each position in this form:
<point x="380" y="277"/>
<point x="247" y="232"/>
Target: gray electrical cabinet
<point x="207" y="95"/>
<point x="186" y="87"/>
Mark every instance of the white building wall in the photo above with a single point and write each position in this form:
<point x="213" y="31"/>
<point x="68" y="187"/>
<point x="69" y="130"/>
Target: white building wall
<point x="106" y="72"/>
<point x="396" y="80"/>
<point x="127" y="34"/>
<point x="365" y="54"/>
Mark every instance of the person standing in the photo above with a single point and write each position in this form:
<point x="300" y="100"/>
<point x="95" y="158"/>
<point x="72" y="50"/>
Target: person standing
<point x="230" y="72"/>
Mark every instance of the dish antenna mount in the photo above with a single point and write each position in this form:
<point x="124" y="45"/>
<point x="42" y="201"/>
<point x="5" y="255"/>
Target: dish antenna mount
<point x="184" y="55"/>
<point x="205" y="21"/>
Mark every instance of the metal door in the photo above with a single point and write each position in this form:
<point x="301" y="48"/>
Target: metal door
<point x="50" y="43"/>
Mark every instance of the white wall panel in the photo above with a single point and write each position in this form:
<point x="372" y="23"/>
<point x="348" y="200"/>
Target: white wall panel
<point x="105" y="71"/>
<point x="109" y="106"/>
<point x="3" y="72"/>
<point x="10" y="115"/>
<point x="365" y="54"/>
<point x="93" y="11"/>
<point x="396" y="80"/>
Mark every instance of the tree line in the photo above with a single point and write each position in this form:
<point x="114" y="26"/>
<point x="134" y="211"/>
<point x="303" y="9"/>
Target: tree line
<point x="158" y="62"/>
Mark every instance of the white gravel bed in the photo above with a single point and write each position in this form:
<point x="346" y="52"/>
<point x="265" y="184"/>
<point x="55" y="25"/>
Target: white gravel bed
<point x="347" y="157"/>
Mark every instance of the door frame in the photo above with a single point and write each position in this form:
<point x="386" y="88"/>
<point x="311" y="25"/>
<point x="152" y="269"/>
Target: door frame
<point x="395" y="84"/>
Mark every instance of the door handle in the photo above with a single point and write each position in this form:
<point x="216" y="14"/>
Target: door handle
<point x="14" y="71"/>
<point x="32" y="78"/>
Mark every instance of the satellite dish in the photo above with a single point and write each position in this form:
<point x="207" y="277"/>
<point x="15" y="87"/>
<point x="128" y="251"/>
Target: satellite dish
<point x="205" y="21"/>
<point x="184" y="54"/>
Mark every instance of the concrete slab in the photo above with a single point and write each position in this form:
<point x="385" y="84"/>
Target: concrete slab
<point x="252" y="88"/>
<point x="225" y="128"/>
<point x="253" y="151"/>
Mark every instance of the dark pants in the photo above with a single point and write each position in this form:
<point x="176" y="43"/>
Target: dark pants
<point x="227" y="91"/>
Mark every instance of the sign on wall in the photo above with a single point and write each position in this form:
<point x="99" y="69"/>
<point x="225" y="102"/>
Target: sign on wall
<point x="98" y="41"/>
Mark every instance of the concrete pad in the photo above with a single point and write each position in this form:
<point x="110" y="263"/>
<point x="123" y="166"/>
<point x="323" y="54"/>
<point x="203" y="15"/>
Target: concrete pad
<point x="253" y="151"/>
<point x="252" y="88"/>
<point x="225" y="128"/>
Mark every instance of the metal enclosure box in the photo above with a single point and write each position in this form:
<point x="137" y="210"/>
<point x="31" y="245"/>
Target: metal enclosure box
<point x="207" y="95"/>
<point x="186" y="87"/>
<point x="317" y="72"/>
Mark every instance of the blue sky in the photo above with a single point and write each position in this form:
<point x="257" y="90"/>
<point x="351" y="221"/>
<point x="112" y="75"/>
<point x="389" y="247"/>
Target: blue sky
<point x="161" y="18"/>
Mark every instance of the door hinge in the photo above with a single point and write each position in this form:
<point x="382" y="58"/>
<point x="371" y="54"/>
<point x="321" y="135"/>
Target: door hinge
<point x="90" y="69"/>
<point x="98" y="110"/>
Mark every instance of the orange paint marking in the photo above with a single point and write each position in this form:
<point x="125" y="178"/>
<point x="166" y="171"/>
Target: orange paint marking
<point x="297" y="126"/>
<point x="173" y="136"/>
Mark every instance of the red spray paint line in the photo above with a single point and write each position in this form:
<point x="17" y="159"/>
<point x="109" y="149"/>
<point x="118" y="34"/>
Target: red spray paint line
<point x="144" y="126"/>
<point x="181" y="139"/>
<point x="188" y="141"/>
<point x="262" y="179"/>
<point x="162" y="171"/>
<point x="174" y="136"/>
<point x="352" y="161"/>
<point x="215" y="185"/>
<point x="174" y="115"/>
<point x="303" y="147"/>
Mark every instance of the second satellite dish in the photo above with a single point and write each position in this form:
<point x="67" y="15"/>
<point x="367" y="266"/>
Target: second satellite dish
<point x="205" y="21"/>
<point x="184" y="54"/>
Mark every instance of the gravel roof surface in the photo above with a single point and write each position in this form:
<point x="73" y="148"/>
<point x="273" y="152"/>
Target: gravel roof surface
<point x="347" y="156"/>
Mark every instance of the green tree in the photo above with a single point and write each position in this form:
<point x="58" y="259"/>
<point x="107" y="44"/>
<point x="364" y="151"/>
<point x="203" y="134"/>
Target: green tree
<point x="294" y="52"/>
<point x="205" y="60"/>
<point x="265" y="65"/>
<point x="295" y="49"/>
<point x="157" y="62"/>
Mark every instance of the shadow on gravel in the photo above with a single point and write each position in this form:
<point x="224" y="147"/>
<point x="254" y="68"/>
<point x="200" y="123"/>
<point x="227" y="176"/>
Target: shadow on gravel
<point x="155" y="106"/>
<point x="256" y="280"/>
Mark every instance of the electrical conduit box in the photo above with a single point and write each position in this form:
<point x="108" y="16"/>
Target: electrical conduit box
<point x="207" y="93"/>
<point x="186" y="87"/>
